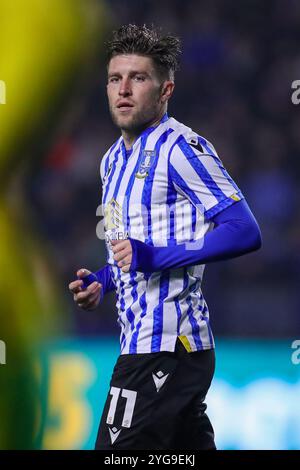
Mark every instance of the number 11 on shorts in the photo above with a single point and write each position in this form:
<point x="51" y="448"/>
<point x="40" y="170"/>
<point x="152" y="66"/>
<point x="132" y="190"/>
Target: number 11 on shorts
<point x="130" y="396"/>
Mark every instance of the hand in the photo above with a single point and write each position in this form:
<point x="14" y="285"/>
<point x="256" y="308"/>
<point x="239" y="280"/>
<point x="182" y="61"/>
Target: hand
<point x="122" y="250"/>
<point x="88" y="298"/>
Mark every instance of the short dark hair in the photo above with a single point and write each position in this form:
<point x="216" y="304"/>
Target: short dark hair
<point x="140" y="40"/>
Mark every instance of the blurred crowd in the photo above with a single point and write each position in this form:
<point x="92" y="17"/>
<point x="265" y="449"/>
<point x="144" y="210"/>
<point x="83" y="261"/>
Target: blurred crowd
<point x="234" y="88"/>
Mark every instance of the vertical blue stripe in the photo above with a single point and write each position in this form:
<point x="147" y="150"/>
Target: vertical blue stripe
<point x="194" y="325"/>
<point x="177" y="305"/>
<point x="178" y="311"/>
<point x="134" y="338"/>
<point x="131" y="181"/>
<point x="206" y="319"/>
<point x="171" y="204"/>
<point x="148" y="185"/>
<point x="122" y="324"/>
<point x="158" y="312"/>
<point x="194" y="219"/>
<point x="129" y="314"/>
<point x="121" y="171"/>
<point x="190" y="312"/>
<point x="143" y="305"/>
<point x="114" y="164"/>
<point x="122" y="301"/>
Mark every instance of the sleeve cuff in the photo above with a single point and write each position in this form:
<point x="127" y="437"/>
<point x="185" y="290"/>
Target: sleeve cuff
<point x="227" y="202"/>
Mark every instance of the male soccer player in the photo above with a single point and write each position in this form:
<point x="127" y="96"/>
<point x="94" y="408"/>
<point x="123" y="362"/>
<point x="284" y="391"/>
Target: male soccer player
<point x="170" y="207"/>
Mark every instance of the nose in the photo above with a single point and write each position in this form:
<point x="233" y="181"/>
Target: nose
<point x="125" y="89"/>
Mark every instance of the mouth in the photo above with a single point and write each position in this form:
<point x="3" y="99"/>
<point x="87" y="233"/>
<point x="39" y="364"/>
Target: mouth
<point x="124" y="106"/>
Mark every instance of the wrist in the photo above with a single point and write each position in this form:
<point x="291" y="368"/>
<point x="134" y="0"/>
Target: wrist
<point x="142" y="256"/>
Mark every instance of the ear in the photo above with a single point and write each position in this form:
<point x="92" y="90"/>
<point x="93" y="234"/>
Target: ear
<point x="167" y="90"/>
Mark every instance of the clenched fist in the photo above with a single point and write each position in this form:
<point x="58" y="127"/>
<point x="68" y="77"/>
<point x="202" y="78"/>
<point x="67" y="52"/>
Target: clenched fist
<point x="88" y="298"/>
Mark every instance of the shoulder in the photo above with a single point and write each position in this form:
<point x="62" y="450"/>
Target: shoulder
<point x="188" y="142"/>
<point x="107" y="157"/>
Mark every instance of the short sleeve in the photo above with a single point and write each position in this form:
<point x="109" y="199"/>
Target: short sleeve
<point x="198" y="173"/>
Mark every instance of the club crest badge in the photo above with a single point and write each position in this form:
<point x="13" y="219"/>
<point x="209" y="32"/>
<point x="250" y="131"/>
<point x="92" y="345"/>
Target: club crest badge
<point x="146" y="163"/>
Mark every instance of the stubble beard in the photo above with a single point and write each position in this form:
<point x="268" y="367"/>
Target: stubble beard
<point x="135" y="123"/>
<point x="139" y="119"/>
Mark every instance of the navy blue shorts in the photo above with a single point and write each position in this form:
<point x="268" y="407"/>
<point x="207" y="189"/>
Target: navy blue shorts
<point x="156" y="401"/>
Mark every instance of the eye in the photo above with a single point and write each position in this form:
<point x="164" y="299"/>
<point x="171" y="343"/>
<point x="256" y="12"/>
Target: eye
<point x="139" y="78"/>
<point x="113" y="80"/>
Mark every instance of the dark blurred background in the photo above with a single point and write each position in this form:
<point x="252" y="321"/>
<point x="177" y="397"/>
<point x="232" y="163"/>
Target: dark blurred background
<point x="234" y="88"/>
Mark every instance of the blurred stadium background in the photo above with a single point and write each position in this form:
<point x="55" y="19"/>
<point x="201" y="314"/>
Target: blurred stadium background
<point x="239" y="61"/>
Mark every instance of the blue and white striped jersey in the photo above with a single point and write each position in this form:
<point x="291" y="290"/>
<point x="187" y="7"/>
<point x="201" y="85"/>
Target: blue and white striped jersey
<point x="164" y="191"/>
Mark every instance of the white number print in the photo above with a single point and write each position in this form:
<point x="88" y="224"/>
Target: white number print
<point x="115" y="392"/>
<point x="130" y="397"/>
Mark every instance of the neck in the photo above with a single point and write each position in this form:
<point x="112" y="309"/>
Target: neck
<point x="131" y="136"/>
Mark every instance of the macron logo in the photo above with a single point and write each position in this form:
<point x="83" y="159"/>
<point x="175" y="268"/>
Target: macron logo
<point x="159" y="379"/>
<point x="114" y="433"/>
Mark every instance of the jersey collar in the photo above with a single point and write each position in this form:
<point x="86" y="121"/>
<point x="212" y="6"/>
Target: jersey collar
<point x="144" y="134"/>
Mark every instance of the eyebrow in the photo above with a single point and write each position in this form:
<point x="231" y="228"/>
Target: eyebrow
<point x="132" y="73"/>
